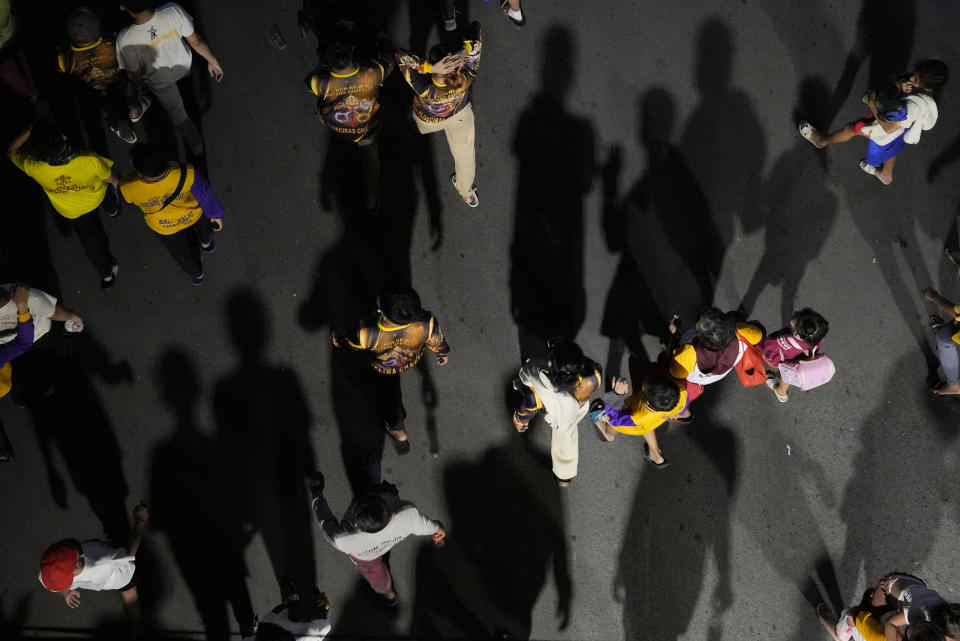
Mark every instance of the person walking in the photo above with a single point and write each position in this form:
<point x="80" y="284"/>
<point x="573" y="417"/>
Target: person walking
<point x="371" y="527"/>
<point x="78" y="184"/>
<point x="348" y="102"/>
<point x="21" y="342"/>
<point x="948" y="338"/>
<point x="896" y="118"/>
<point x="91" y="60"/>
<point x="178" y="205"/>
<point x="443" y="102"/>
<point x="561" y="391"/>
<point x="395" y="342"/>
<point x="69" y="566"/>
<point x="799" y="340"/>
<point x="157" y="51"/>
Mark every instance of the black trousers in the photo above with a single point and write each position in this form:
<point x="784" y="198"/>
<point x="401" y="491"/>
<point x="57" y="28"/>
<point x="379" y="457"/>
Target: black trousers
<point x="93" y="239"/>
<point x="184" y="245"/>
<point x="390" y="399"/>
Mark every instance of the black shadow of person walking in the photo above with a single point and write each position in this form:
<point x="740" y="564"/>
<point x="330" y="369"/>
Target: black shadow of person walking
<point x="194" y="505"/>
<point x="555" y="161"/>
<point x="507" y="540"/>
<point x="723" y="142"/>
<point x="799" y="209"/>
<point x="669" y="255"/>
<point x="679" y="523"/>
<point x="263" y="426"/>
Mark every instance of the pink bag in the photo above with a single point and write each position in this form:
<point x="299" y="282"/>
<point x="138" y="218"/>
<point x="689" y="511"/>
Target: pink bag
<point x="808" y="374"/>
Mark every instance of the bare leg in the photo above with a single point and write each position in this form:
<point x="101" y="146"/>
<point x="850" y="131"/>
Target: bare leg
<point x="131" y="605"/>
<point x="840" y="136"/>
<point x="653" y="449"/>
<point x="514" y="4"/>
<point x="608" y="432"/>
<point x="885" y="173"/>
<point x="782" y="388"/>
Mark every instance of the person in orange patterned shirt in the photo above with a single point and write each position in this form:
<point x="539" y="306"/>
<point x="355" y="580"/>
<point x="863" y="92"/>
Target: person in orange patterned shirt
<point x="395" y="342"/>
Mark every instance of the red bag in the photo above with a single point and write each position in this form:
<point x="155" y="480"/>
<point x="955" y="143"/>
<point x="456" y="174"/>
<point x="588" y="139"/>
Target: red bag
<point x="750" y="369"/>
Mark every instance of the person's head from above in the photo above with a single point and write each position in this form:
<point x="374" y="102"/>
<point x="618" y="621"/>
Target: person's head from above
<point x="660" y="392"/>
<point x="716" y="329"/>
<point x="928" y="76"/>
<point x="372" y="514"/>
<point x="809" y="326"/>
<point x="567" y="365"/>
<point x="48" y="142"/>
<point x="135" y="7"/>
<point x="83" y="27"/>
<point x="339" y="57"/>
<point x="60" y="563"/>
<point x="948" y="618"/>
<point x="150" y="160"/>
<point x="400" y="304"/>
<point x="437" y="53"/>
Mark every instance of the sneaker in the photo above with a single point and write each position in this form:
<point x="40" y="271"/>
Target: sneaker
<point x="127" y="135"/>
<point x="145" y="102"/>
<point x="111" y="202"/>
<point x="518" y="23"/>
<point x="391" y="603"/>
<point x="806" y="131"/>
<point x="112" y="274"/>
<point x="211" y="246"/>
<point x="196" y="280"/>
<point x="473" y="199"/>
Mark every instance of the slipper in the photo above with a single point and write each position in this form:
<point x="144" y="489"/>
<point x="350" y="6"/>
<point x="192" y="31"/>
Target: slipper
<point x="646" y="457"/>
<point x="806" y="132"/>
<point x="872" y="170"/>
<point x="145" y="102"/>
<point x="772" y="384"/>
<point x="682" y="419"/>
<point x="827" y="618"/>
<point x="402" y="447"/>
<point x="935" y="322"/>
<point x="939" y="392"/>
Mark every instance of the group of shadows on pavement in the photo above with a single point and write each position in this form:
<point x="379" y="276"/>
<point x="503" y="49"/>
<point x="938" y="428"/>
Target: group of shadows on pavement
<point x="218" y="488"/>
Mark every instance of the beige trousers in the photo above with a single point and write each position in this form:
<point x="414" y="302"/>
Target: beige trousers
<point x="460" y="134"/>
<point x="565" y="450"/>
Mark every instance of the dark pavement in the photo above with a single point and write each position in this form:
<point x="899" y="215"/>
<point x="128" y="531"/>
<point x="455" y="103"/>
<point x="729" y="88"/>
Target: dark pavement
<point x="634" y="160"/>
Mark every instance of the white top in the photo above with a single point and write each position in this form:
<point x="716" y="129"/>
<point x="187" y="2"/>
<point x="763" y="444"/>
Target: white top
<point x="314" y="630"/>
<point x="368" y="546"/>
<point x="105" y="567"/>
<point x="42" y="306"/>
<point x="156" y="49"/>
<point x="696" y="376"/>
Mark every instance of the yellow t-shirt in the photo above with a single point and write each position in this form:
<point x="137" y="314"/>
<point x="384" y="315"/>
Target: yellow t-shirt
<point x="73" y="188"/>
<point x="869" y="626"/>
<point x="956" y="317"/>
<point x="685" y="357"/>
<point x="181" y="213"/>
<point x="637" y="419"/>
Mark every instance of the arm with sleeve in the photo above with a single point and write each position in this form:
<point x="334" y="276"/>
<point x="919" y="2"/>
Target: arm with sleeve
<point x="21" y="342"/>
<point x="415" y="70"/>
<point x="473" y="48"/>
<point x="530" y="407"/>
<point x="435" y="340"/>
<point x="207" y="200"/>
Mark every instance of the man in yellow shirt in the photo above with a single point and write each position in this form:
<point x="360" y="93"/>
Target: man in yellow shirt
<point x="77" y="184"/>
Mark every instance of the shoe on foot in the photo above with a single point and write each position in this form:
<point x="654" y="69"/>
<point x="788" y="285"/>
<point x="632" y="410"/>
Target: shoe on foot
<point x="772" y="383"/>
<point x="110" y="279"/>
<point x="873" y="170"/>
<point x="402" y="447"/>
<point x="127" y="135"/>
<point x="806" y="132"/>
<point x="472" y="199"/>
<point x="145" y="102"/>
<point x="196" y="280"/>
<point x="646" y="457"/>
<point x="211" y="246"/>
<point x="391" y="602"/>
<point x="111" y="202"/>
<point x="516" y="17"/>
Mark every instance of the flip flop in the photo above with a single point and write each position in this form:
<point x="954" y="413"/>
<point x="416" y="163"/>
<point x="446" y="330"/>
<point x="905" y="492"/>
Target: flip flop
<point x="402" y="447"/>
<point x="872" y="170"/>
<point x="772" y="384"/>
<point x="806" y="132"/>
<point x="646" y="457"/>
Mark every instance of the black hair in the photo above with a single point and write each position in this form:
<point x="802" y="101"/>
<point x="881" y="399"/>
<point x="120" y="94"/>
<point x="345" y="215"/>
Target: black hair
<point x="716" y="329"/>
<point x="149" y="159"/>
<point x="440" y="51"/>
<point x="337" y="55"/>
<point x="933" y="75"/>
<point x="924" y="631"/>
<point x="47" y="140"/>
<point x="568" y="365"/>
<point x="660" y="392"/>
<point x="136" y="6"/>
<point x="810" y="327"/>
<point x="948" y="618"/>
<point x="401" y="304"/>
<point x="372" y="514"/>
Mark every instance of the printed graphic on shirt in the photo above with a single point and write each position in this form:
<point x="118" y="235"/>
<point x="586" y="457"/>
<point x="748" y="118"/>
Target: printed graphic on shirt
<point x="63" y="184"/>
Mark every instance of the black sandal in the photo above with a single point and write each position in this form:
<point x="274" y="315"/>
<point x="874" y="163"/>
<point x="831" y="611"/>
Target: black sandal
<point x="402" y="447"/>
<point x="936" y="322"/>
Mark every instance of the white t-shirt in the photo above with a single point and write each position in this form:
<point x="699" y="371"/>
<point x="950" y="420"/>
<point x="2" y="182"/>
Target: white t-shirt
<point x="105" y="567"/>
<point x="42" y="306"/>
<point x="156" y="49"/>
<point x="368" y="546"/>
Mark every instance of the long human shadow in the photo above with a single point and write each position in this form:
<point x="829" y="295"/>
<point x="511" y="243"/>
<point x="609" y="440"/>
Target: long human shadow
<point x="885" y="33"/>
<point x="679" y="523"/>
<point x="723" y="140"/>
<point x="799" y="209"/>
<point x="662" y="229"/>
<point x="74" y="422"/>
<point x="886" y="528"/>
<point x="554" y="174"/>
<point x="263" y="424"/>
<point x="194" y="505"/>
<point x="491" y="572"/>
<point x="949" y="156"/>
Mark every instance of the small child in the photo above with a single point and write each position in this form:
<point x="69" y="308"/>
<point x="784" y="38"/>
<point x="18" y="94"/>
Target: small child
<point x="799" y="340"/>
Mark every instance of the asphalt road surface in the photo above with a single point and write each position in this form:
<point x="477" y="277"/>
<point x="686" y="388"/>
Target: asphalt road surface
<point x="635" y="159"/>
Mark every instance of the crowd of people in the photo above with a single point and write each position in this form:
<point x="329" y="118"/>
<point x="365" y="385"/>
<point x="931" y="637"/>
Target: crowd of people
<point x="125" y="73"/>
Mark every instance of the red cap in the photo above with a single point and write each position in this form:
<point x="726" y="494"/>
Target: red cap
<point x="57" y="566"/>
